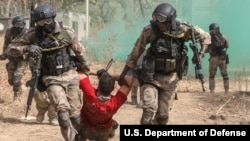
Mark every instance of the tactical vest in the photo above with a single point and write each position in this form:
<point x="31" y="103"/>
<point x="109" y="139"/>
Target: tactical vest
<point x="217" y="45"/>
<point x="163" y="55"/>
<point x="57" y="61"/>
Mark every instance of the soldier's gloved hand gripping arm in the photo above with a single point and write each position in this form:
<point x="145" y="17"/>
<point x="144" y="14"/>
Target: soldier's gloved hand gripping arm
<point x="33" y="50"/>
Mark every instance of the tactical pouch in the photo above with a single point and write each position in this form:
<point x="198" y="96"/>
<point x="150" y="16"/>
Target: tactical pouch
<point x="148" y="68"/>
<point x="227" y="59"/>
<point x="163" y="65"/>
<point x="170" y="65"/>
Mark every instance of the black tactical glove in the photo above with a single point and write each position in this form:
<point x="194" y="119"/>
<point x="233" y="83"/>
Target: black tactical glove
<point x="100" y="72"/>
<point x="34" y="50"/>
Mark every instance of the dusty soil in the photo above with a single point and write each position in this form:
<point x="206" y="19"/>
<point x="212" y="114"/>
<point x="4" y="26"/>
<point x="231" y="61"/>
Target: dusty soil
<point x="192" y="107"/>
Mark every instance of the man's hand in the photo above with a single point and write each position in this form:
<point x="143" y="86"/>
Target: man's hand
<point x="34" y="50"/>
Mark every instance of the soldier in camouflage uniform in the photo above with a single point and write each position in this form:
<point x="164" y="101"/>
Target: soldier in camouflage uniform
<point x="218" y="56"/>
<point x="17" y="65"/>
<point x="162" y="66"/>
<point x="60" y="48"/>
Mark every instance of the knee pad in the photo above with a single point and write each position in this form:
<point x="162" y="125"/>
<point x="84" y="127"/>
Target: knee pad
<point x="63" y="119"/>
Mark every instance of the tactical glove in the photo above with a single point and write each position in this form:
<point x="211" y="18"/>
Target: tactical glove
<point x="34" y="50"/>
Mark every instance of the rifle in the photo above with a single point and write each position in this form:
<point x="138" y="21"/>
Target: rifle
<point x="197" y="62"/>
<point x="32" y="7"/>
<point x="33" y="82"/>
<point x="109" y="64"/>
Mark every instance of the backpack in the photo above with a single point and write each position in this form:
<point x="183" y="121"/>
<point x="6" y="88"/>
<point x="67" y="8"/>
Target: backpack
<point x="217" y="40"/>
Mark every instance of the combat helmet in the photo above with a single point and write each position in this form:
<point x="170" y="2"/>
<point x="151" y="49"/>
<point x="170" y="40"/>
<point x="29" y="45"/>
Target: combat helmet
<point x="214" y="26"/>
<point x="18" y="21"/>
<point x="164" y="12"/>
<point x="44" y="11"/>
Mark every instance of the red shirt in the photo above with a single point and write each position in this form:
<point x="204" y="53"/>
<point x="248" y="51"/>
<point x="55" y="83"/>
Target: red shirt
<point x="95" y="113"/>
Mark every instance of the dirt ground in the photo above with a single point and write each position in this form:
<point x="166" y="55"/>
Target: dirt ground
<point x="192" y="107"/>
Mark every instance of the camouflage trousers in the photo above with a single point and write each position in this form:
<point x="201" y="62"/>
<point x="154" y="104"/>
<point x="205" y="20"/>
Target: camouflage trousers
<point x="158" y="99"/>
<point x="214" y="63"/>
<point x="16" y="70"/>
<point x="43" y="105"/>
<point x="64" y="92"/>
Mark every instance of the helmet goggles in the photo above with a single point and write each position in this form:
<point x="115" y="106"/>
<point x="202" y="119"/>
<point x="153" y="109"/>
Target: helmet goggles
<point x="159" y="18"/>
<point x="44" y="21"/>
<point x="19" y="25"/>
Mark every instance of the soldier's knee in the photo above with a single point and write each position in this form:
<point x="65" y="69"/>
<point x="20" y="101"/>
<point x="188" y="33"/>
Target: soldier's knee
<point x="63" y="118"/>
